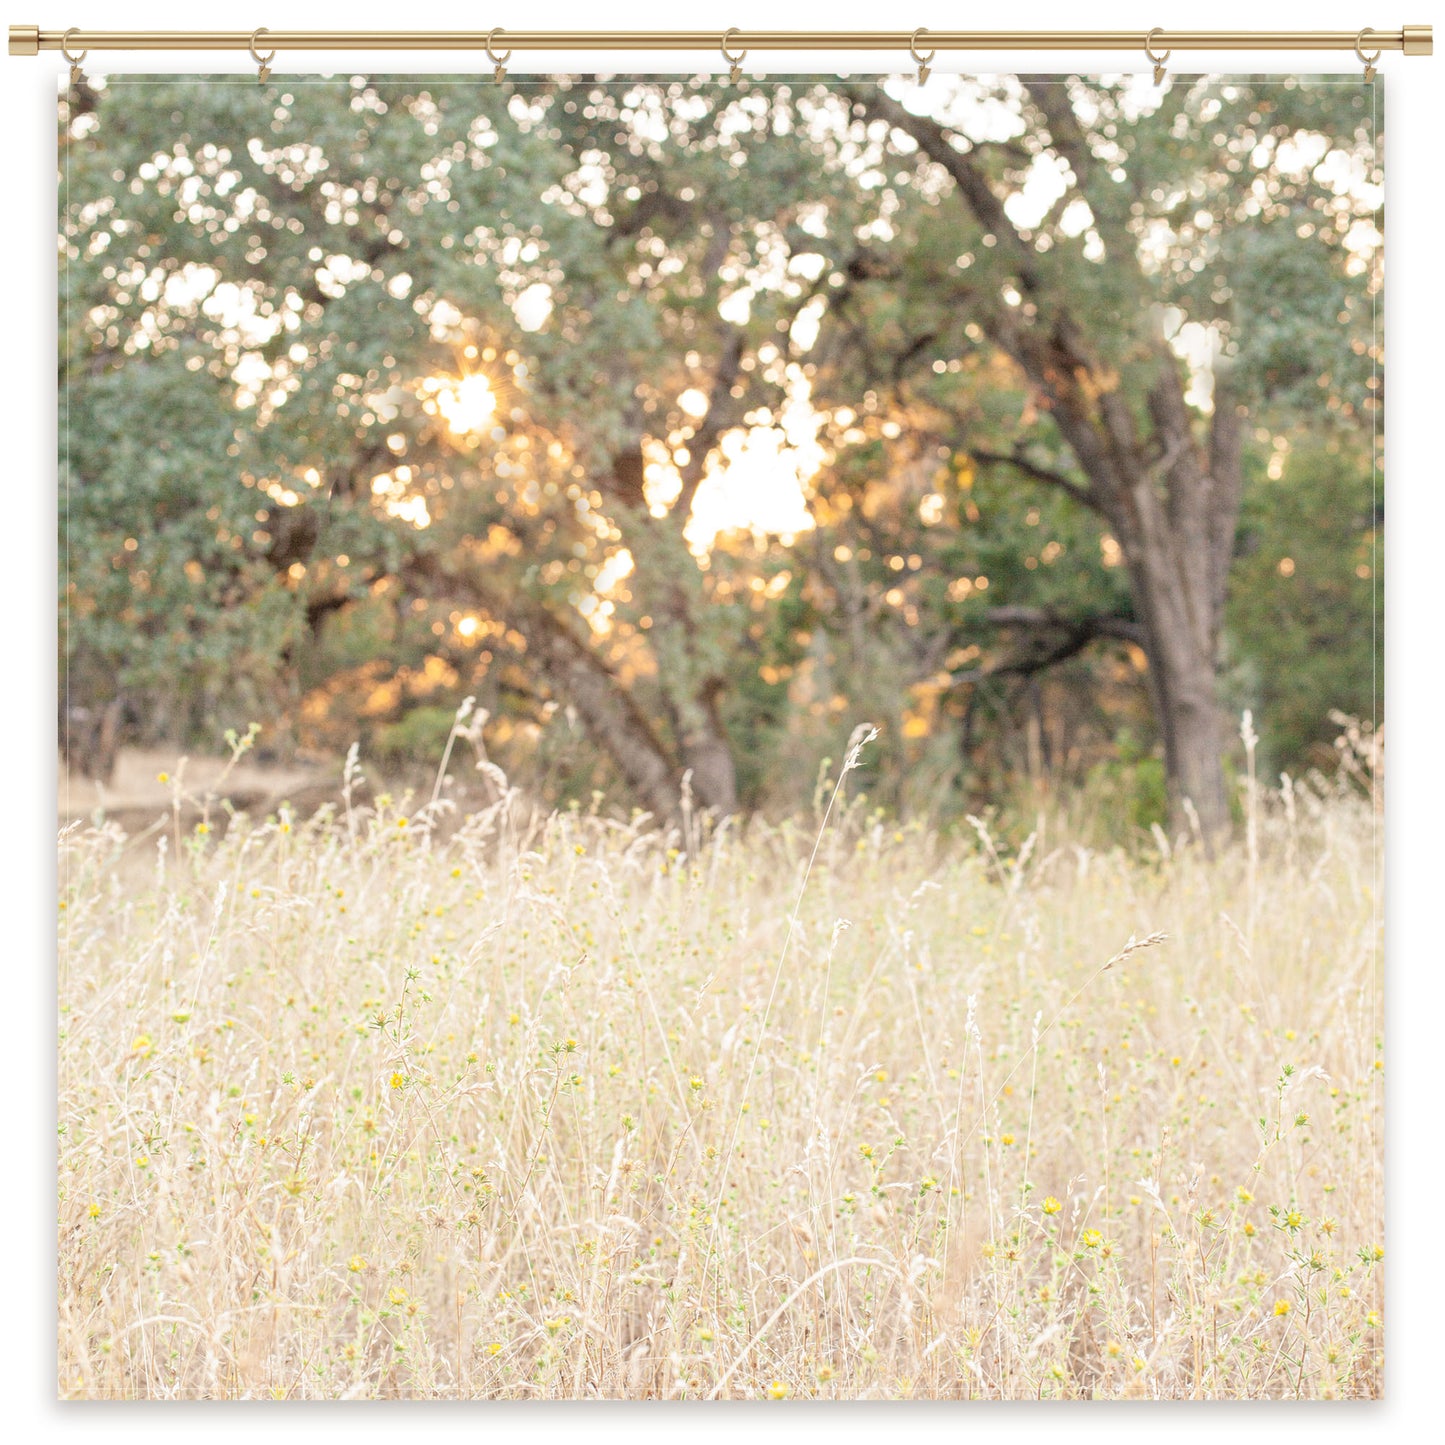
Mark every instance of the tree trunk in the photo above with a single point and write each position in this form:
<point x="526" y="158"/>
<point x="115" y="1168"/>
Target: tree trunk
<point x="707" y="756"/>
<point x="1173" y="511"/>
<point x="612" y="720"/>
<point x="1178" y="542"/>
<point x="691" y="667"/>
<point x="574" y="671"/>
<point x="691" y="691"/>
<point x="1182" y="685"/>
<point x="1172" y="508"/>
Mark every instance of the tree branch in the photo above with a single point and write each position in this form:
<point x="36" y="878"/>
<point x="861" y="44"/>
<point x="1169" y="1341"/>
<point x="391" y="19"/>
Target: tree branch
<point x="608" y="710"/>
<point x="1105" y="624"/>
<point x="934" y="141"/>
<point x="718" y="418"/>
<point x="1076" y="634"/>
<point x="1226" y="471"/>
<point x="1020" y="463"/>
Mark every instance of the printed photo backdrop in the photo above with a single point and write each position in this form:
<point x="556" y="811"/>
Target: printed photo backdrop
<point x="720" y="739"/>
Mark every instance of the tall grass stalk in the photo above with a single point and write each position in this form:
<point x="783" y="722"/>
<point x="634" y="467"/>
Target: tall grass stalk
<point x="390" y="1104"/>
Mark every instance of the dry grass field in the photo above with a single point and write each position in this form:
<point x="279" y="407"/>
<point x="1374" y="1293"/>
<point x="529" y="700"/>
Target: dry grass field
<point x="390" y="1103"/>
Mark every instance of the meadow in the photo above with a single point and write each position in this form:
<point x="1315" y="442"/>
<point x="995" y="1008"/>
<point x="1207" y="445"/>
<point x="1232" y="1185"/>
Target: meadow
<point x="389" y="1101"/>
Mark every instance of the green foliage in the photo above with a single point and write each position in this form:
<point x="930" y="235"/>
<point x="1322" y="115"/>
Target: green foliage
<point x="1306" y="614"/>
<point x="1128" y="790"/>
<point x="418" y="740"/>
<point x="161" y="552"/>
<point x="261" y="284"/>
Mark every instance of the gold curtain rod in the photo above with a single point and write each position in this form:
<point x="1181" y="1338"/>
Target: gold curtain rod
<point x="1412" y="39"/>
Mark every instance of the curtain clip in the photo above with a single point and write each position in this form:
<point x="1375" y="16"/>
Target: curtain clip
<point x="263" y="74"/>
<point x="1158" y="60"/>
<point x="923" y="62"/>
<point x="735" y="62"/>
<point x="499" y="62"/>
<point x="1368" y="61"/>
<point x="75" y="60"/>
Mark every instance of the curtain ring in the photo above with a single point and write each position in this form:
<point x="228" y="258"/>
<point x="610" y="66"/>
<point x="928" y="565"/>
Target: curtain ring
<point x="921" y="61"/>
<point x="75" y="76"/>
<point x="264" y="61"/>
<point x="1368" y="61"/>
<point x="1157" y="59"/>
<point x="735" y="62"/>
<point x="499" y="62"/>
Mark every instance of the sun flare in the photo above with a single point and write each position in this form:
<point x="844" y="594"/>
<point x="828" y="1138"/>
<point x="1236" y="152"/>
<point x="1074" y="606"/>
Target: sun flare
<point x="465" y="403"/>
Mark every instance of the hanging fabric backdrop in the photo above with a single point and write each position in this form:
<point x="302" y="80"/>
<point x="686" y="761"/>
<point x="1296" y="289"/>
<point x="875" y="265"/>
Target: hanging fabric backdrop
<point x="720" y="739"/>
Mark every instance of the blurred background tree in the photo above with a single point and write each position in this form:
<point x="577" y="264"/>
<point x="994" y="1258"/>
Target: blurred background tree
<point x="685" y="425"/>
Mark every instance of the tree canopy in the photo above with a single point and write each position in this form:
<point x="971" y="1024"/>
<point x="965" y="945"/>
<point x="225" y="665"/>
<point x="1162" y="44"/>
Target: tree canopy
<point x="684" y="425"/>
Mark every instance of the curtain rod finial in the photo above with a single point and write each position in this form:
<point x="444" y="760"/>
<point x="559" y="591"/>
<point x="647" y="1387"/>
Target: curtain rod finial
<point x="1417" y="39"/>
<point x="25" y="40"/>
